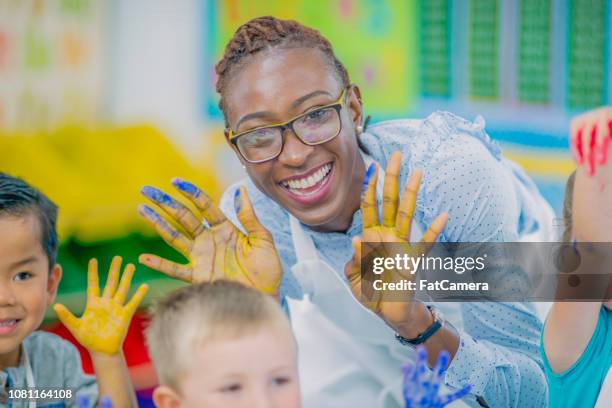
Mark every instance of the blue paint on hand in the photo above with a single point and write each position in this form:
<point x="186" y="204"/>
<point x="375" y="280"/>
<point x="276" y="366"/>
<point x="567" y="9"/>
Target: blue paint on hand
<point x="366" y="178"/>
<point x="106" y="402"/>
<point x="237" y="201"/>
<point x="421" y="390"/>
<point x="159" y="196"/>
<point x="186" y="187"/>
<point x="149" y="213"/>
<point x="82" y="401"/>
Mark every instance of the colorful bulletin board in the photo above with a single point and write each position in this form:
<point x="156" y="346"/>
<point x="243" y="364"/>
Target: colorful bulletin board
<point x="50" y="63"/>
<point x="526" y="52"/>
<point x="372" y="37"/>
<point x="526" y="66"/>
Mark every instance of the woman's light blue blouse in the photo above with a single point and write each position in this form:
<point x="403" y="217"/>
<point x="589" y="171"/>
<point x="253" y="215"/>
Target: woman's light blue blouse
<point x="488" y="198"/>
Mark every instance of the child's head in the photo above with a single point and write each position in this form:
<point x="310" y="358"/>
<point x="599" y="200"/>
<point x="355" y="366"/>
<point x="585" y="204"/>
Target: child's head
<point x="224" y="345"/>
<point x="28" y="273"/>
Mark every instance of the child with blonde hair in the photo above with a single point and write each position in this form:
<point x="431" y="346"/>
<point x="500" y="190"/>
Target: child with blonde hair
<point x="222" y="344"/>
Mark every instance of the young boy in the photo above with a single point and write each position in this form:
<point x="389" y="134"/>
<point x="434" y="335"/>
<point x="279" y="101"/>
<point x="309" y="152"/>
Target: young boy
<point x="222" y="344"/>
<point x="29" y="276"/>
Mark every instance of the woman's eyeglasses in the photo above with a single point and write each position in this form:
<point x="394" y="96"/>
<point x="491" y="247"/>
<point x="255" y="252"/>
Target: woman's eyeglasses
<point x="314" y="127"/>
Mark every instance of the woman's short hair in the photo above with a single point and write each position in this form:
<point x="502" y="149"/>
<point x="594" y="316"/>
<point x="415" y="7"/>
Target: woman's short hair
<point x="266" y="33"/>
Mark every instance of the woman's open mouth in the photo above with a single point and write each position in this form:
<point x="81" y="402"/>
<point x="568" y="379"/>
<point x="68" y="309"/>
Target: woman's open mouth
<point x="312" y="187"/>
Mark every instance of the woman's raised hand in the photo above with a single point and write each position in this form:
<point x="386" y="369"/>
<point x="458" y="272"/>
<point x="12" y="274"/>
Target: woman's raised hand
<point x="395" y="230"/>
<point x="217" y="251"/>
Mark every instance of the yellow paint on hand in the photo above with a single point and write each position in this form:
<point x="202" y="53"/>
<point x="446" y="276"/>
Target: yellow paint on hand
<point x="105" y="321"/>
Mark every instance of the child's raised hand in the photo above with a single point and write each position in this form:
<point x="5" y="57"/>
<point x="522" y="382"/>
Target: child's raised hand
<point x="422" y="388"/>
<point x="106" y="318"/>
<point x="590" y="135"/>
<point x="217" y="251"/>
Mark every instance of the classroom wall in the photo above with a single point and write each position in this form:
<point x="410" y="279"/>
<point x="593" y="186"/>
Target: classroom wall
<point x="98" y="98"/>
<point x="157" y="65"/>
<point x="154" y="64"/>
<point x="526" y="66"/>
<point x="99" y="66"/>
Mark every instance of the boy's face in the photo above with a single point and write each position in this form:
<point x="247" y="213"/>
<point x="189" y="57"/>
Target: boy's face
<point x="26" y="286"/>
<point x="257" y="370"/>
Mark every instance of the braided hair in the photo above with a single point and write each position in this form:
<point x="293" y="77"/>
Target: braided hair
<point x="265" y="33"/>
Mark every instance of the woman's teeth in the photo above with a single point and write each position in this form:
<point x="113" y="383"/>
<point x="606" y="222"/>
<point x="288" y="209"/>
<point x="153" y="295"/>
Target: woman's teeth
<point x="310" y="181"/>
<point x="7" y="323"/>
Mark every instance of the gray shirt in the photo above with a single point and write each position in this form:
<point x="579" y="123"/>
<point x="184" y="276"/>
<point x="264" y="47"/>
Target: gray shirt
<point x="55" y="364"/>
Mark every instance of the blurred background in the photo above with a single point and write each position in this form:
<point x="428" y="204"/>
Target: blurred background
<point x="98" y="98"/>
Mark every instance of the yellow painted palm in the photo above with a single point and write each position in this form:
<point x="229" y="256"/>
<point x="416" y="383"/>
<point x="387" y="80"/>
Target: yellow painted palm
<point x="106" y="319"/>
<point x="218" y="250"/>
<point x="389" y="238"/>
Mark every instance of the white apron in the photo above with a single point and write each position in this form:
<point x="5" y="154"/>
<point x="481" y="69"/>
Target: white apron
<point x="348" y="357"/>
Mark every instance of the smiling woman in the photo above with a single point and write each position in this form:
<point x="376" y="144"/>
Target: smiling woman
<point x="294" y="83"/>
<point x="295" y="121"/>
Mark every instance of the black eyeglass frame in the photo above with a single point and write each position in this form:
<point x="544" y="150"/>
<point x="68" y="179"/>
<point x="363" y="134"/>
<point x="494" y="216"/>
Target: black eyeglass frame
<point x="337" y="105"/>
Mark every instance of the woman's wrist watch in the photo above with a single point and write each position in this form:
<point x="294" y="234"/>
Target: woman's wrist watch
<point x="438" y="322"/>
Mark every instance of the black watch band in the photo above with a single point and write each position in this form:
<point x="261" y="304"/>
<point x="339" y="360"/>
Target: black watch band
<point x="430" y="331"/>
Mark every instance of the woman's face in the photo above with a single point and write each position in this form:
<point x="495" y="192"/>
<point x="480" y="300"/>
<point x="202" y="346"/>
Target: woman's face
<point x="319" y="185"/>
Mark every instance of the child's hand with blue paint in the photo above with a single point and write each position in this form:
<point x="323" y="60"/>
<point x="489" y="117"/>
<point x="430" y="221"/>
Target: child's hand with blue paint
<point x="213" y="245"/>
<point x="105" y="321"/>
<point x="422" y="387"/>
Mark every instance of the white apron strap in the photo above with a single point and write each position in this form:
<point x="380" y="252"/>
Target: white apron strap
<point x="302" y="244"/>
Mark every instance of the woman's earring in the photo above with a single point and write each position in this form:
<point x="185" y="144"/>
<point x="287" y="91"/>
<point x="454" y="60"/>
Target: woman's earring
<point x="359" y="129"/>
